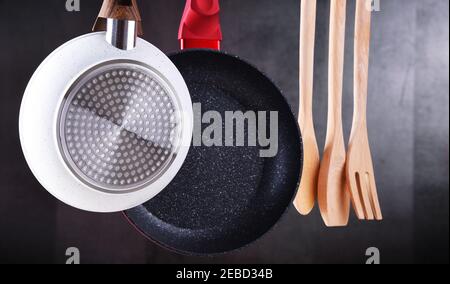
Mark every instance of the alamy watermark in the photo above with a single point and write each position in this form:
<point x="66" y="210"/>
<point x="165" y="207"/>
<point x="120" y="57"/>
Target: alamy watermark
<point x="74" y="256"/>
<point x="237" y="129"/>
<point x="373" y="5"/>
<point x="374" y="256"/>
<point x="73" y="5"/>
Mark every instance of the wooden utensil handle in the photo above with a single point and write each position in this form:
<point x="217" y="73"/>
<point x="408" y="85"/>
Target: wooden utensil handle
<point x="119" y="10"/>
<point x="307" y="42"/>
<point x="306" y="197"/>
<point x="336" y="66"/>
<point x="361" y="66"/>
<point x="334" y="201"/>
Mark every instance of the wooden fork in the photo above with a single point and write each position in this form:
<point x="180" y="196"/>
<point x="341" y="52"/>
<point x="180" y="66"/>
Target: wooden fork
<point x="359" y="169"/>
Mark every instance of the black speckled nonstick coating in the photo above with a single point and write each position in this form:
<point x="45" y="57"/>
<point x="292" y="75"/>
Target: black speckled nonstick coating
<point x="224" y="198"/>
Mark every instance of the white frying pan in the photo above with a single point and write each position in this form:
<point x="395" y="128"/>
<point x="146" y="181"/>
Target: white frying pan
<point x="106" y="120"/>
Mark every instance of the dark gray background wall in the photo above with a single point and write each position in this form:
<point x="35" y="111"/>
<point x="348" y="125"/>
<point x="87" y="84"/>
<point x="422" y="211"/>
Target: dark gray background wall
<point x="408" y="120"/>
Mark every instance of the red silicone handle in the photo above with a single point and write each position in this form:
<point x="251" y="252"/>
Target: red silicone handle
<point x="200" y="25"/>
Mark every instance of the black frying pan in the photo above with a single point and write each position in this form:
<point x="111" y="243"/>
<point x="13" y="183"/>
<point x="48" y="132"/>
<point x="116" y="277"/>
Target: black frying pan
<point x="225" y="198"/>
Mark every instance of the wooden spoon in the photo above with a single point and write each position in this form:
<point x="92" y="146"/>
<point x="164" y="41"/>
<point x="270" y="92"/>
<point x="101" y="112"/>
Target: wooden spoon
<point x="334" y="200"/>
<point x="306" y="197"/>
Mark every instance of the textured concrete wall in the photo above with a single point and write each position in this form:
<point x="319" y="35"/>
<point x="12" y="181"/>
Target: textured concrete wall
<point x="408" y="120"/>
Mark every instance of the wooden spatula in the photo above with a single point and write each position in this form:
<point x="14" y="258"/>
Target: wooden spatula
<point x="306" y="197"/>
<point x="334" y="200"/>
<point x="360" y="173"/>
